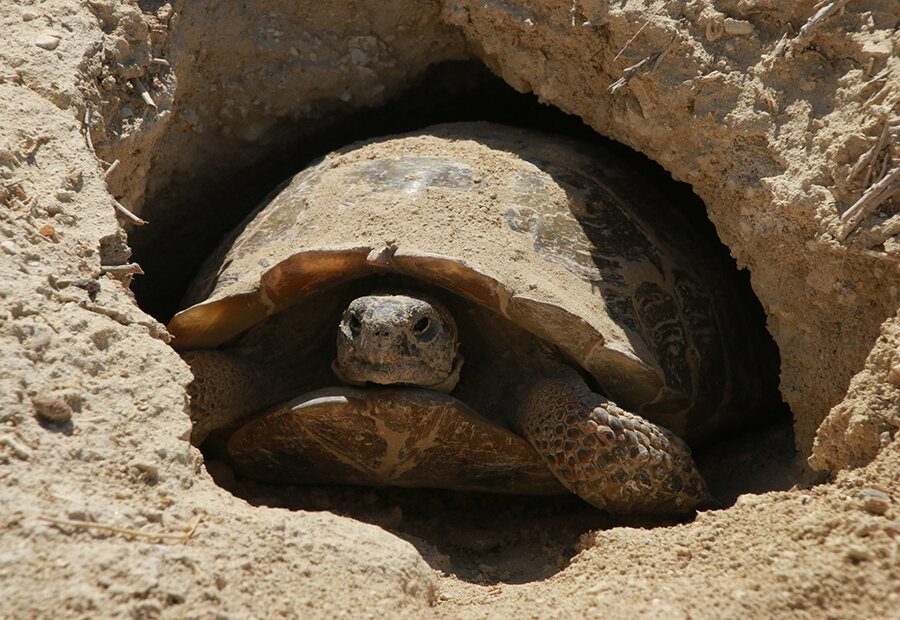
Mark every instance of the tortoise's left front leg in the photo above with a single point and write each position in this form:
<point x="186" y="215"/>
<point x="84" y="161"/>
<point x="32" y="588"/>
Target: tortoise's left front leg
<point x="616" y="460"/>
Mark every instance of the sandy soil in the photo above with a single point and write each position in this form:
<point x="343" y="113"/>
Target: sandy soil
<point x="780" y="116"/>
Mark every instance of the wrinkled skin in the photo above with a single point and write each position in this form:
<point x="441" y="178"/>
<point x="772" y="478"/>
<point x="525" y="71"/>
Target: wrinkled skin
<point x="398" y="339"/>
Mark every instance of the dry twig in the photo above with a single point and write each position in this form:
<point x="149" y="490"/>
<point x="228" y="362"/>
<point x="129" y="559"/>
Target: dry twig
<point x="821" y="15"/>
<point x="18" y="449"/>
<point x="662" y="54"/>
<point x="87" y="131"/>
<point x="480" y="598"/>
<point x="90" y="525"/>
<point x="145" y="95"/>
<point x="87" y="135"/>
<point x="128" y="269"/>
<point x="650" y="63"/>
<point x="878" y="77"/>
<point x="869" y="156"/>
<point x="878" y="146"/>
<point x="109" y="170"/>
<point x="128" y="215"/>
<point x="779" y="50"/>
<point x="874" y="196"/>
<point x="633" y="37"/>
<point x="47" y="321"/>
<point x="629" y="73"/>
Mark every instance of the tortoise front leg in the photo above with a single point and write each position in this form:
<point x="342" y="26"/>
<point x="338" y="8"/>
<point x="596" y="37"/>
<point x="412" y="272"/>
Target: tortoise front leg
<point x="225" y="389"/>
<point x="614" y="459"/>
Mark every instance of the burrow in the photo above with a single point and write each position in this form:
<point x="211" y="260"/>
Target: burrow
<point x="237" y="109"/>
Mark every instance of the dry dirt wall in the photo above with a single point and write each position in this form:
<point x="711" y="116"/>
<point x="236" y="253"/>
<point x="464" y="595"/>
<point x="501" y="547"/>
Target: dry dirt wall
<point x="766" y="139"/>
<point x="779" y="122"/>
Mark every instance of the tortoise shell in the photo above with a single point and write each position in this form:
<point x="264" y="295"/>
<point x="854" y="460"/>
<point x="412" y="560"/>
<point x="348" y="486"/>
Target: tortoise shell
<point x="557" y="236"/>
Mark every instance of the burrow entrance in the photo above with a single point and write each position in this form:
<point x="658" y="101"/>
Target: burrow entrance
<point x="479" y="537"/>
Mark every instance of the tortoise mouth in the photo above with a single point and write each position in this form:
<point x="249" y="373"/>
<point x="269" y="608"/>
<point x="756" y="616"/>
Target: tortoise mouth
<point x="361" y="371"/>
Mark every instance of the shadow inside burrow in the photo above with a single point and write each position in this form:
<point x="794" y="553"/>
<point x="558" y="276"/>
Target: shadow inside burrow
<point x="480" y="537"/>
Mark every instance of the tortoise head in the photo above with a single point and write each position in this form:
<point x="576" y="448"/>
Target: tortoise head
<point x="398" y="339"/>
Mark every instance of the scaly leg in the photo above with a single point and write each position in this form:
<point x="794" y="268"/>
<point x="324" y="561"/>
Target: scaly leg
<point x="614" y="459"/>
<point x="225" y="389"/>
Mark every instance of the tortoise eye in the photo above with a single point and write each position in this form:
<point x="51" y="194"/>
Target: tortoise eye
<point x="354" y="322"/>
<point x="421" y="325"/>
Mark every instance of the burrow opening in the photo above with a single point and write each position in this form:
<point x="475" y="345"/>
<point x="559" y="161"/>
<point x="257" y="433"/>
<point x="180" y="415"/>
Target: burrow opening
<point x="466" y="530"/>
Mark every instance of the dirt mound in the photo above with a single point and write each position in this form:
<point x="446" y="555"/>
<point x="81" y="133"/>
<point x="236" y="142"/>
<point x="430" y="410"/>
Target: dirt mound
<point x="782" y="117"/>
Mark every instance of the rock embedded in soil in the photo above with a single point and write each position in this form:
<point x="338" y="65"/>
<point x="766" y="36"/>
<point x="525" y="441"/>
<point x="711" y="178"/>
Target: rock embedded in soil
<point x="50" y="409"/>
<point x="875" y="501"/>
<point x="49" y="42"/>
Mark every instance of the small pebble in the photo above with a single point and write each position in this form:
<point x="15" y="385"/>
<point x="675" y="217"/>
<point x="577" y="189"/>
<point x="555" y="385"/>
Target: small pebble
<point x="49" y="42"/>
<point x="79" y="514"/>
<point x="51" y="410"/>
<point x="875" y="501"/>
<point x="48" y="231"/>
<point x="147" y="609"/>
<point x="737" y="27"/>
<point x="894" y="374"/>
<point x="149" y="471"/>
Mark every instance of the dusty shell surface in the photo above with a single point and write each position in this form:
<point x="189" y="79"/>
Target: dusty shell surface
<point x="772" y="129"/>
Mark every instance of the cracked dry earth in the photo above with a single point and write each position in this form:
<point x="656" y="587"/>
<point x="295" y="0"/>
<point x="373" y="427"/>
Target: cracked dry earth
<point x="782" y="118"/>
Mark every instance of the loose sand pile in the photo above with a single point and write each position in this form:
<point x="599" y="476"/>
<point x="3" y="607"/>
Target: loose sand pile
<point x="781" y="116"/>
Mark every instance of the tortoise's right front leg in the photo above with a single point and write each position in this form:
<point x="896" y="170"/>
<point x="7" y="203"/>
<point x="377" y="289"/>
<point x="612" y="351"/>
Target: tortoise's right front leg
<point x="614" y="459"/>
<point x="225" y="389"/>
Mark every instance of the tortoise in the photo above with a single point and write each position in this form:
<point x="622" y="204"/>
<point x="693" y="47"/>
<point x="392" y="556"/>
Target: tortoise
<point x="477" y="307"/>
